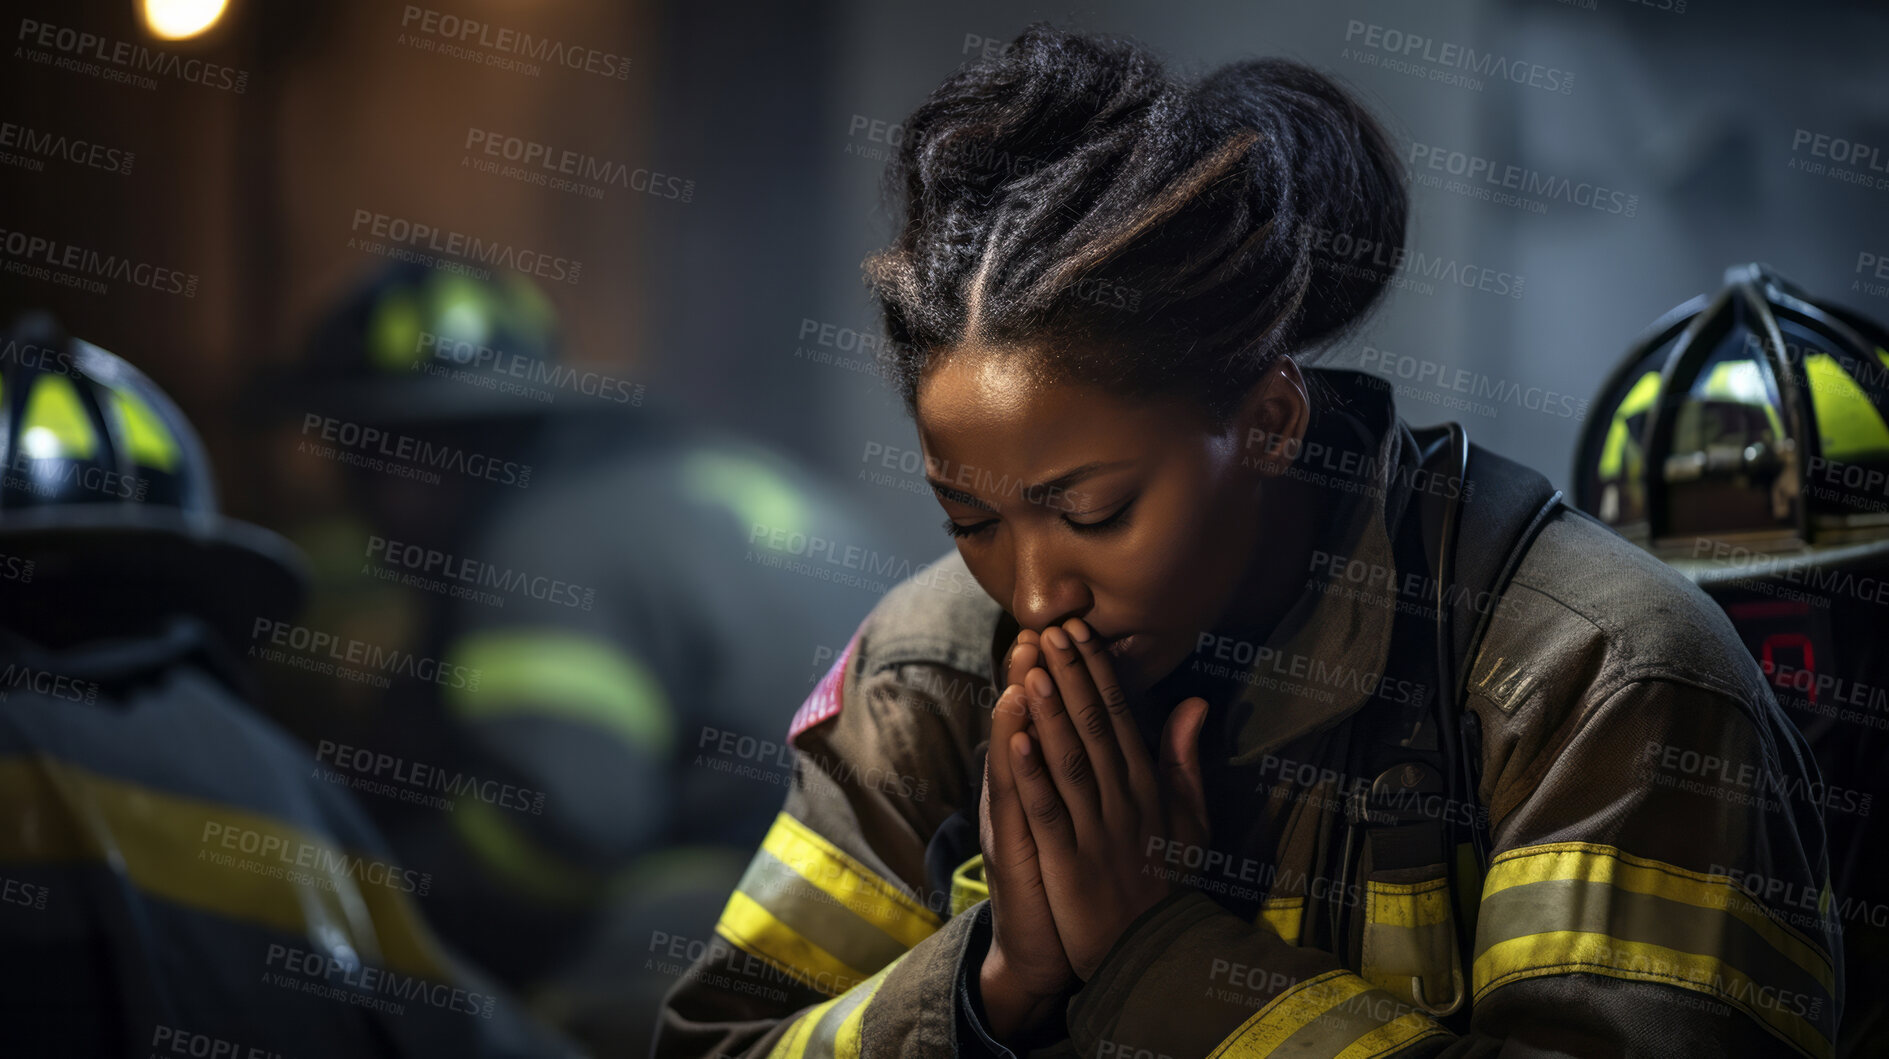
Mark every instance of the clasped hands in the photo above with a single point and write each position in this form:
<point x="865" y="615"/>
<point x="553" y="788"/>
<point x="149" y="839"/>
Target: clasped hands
<point x="1070" y="802"/>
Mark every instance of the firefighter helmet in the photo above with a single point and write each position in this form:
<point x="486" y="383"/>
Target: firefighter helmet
<point x="1753" y="415"/>
<point x="107" y="500"/>
<point x="414" y="343"/>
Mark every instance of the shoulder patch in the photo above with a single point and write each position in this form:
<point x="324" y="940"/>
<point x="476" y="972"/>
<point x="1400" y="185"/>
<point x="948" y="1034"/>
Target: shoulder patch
<point x="826" y="697"/>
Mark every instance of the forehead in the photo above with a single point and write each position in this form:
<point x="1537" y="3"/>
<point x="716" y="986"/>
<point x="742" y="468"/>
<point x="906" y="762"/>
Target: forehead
<point x="1004" y="411"/>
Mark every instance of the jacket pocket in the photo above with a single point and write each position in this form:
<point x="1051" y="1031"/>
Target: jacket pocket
<point x="1410" y="939"/>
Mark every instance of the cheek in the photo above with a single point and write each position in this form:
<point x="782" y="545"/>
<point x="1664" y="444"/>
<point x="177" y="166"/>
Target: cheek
<point x="1194" y="552"/>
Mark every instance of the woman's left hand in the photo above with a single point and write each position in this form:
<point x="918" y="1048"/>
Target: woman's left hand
<point x="1093" y="799"/>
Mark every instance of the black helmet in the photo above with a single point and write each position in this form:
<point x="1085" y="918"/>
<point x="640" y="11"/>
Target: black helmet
<point x="414" y="343"/>
<point x="107" y="507"/>
<point x="1754" y="415"/>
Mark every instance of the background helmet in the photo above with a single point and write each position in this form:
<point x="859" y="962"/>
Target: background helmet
<point x="108" y="510"/>
<point x="413" y="343"/>
<point x="1755" y="414"/>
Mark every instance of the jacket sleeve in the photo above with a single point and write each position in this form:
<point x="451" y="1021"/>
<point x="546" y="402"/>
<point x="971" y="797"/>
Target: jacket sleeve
<point x="834" y="941"/>
<point x="1658" y="886"/>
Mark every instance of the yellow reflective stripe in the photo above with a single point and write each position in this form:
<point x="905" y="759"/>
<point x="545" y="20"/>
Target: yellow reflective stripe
<point x="55" y="424"/>
<point x="1638" y="399"/>
<point x="148" y="835"/>
<point x="967" y="885"/>
<point x="754" y="930"/>
<point x="523" y="865"/>
<point x="1306" y="1020"/>
<point x="559" y="673"/>
<point x="749" y="489"/>
<point x="793" y="1043"/>
<point x="1283" y="915"/>
<point x="393" y="332"/>
<point x="1564" y="951"/>
<point x="1589" y="862"/>
<point x="835" y="1032"/>
<point x="848" y="881"/>
<point x="147" y="440"/>
<point x="1848" y="425"/>
<point x="846" y="1043"/>
<point x="1398" y="1033"/>
<point x="1585" y="908"/>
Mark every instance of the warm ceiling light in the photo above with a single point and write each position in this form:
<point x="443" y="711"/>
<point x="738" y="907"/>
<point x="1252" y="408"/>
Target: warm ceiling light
<point x="181" y="19"/>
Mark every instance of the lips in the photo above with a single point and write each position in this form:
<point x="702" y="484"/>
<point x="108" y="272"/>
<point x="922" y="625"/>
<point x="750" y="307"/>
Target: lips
<point x="1120" y="645"/>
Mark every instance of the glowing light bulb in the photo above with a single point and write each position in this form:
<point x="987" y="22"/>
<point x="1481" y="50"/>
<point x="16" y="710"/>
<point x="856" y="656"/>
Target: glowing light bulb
<point x="181" y="19"/>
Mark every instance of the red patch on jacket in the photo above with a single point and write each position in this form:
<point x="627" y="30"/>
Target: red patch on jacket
<point x="824" y="702"/>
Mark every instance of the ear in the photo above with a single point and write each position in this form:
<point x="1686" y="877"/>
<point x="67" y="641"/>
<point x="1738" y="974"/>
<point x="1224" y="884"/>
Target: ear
<point x="1272" y="419"/>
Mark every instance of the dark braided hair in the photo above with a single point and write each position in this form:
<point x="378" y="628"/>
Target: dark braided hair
<point x="1068" y="201"/>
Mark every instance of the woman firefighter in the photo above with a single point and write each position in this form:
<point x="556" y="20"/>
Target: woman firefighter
<point x="1246" y="719"/>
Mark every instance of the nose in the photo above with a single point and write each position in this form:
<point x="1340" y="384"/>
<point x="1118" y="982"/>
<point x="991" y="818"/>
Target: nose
<point x="1049" y="588"/>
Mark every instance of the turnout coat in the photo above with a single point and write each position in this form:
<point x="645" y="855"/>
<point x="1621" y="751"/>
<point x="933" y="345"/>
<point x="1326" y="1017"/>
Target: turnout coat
<point x="1654" y="878"/>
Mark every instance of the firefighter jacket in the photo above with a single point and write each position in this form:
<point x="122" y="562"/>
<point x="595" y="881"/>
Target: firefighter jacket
<point x="179" y="877"/>
<point x="1656" y="876"/>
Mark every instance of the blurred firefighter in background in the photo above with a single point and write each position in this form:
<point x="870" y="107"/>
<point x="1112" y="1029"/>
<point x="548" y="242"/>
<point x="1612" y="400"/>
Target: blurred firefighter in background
<point x="174" y="878"/>
<point x="608" y="606"/>
<point x="1762" y="411"/>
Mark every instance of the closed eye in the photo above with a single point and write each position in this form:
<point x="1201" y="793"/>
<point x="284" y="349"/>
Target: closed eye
<point x="1114" y="521"/>
<point x="956" y="530"/>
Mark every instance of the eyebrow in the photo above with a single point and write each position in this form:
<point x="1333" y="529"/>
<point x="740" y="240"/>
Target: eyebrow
<point x="1060" y="482"/>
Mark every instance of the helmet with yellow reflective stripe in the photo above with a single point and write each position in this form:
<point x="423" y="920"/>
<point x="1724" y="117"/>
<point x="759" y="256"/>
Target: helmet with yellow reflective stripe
<point x="411" y="342"/>
<point x="1756" y="413"/>
<point x="107" y="503"/>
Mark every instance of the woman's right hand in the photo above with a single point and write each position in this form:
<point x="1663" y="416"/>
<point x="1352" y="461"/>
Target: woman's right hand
<point x="1025" y="973"/>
